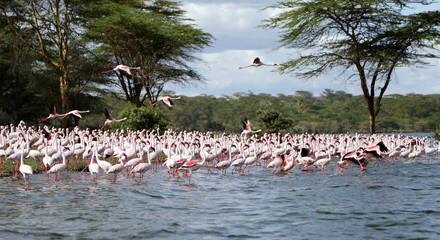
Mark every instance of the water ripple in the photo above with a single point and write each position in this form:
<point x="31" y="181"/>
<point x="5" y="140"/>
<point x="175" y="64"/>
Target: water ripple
<point x="392" y="200"/>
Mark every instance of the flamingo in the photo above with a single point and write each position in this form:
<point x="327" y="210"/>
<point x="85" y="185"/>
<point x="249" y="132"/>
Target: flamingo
<point x="141" y="168"/>
<point x="167" y="100"/>
<point x="110" y="119"/>
<point x="24" y="169"/>
<point x="289" y="163"/>
<point x="94" y="167"/>
<point x="53" y="113"/>
<point x="76" y="113"/>
<point x="354" y="157"/>
<point x="57" y="168"/>
<point x="122" y="69"/>
<point x="115" y="169"/>
<point x="250" y="159"/>
<point x="257" y="63"/>
<point x="104" y="165"/>
<point x="191" y="166"/>
<point x="324" y="161"/>
<point x="375" y="151"/>
<point x="277" y="162"/>
<point x="225" y="164"/>
<point x="247" y="127"/>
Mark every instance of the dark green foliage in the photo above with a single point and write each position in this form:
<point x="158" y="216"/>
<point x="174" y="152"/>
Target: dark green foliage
<point x="273" y="122"/>
<point x="140" y="118"/>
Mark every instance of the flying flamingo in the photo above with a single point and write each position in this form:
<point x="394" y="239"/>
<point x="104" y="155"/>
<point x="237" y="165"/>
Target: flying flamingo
<point x="122" y="69"/>
<point x="76" y="113"/>
<point x="247" y="127"/>
<point x="110" y="119"/>
<point x="167" y="100"/>
<point x="53" y="113"/>
<point x="257" y="63"/>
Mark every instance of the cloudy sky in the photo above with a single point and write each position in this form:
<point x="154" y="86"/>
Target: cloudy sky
<point x="238" y="40"/>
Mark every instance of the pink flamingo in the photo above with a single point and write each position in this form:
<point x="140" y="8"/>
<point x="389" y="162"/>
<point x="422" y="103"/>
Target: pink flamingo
<point x="110" y="119"/>
<point x="257" y="63"/>
<point x="141" y="168"/>
<point x="53" y="113"/>
<point x="375" y="151"/>
<point x="122" y="69"/>
<point x="191" y="166"/>
<point x="247" y="127"/>
<point x="76" y="113"/>
<point x="115" y="169"/>
<point x="167" y="100"/>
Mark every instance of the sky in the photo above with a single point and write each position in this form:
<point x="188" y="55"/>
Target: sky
<point x="239" y="39"/>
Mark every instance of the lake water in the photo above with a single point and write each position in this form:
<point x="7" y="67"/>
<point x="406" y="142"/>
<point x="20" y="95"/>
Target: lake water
<point x="391" y="200"/>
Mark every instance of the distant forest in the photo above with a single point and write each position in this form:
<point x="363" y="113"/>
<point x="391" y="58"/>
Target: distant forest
<point x="331" y="112"/>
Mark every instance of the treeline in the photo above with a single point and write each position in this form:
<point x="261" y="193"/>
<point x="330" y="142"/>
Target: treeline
<point x="331" y="112"/>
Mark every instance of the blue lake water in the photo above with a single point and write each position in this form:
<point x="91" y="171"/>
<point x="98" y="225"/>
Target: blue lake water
<point x="391" y="200"/>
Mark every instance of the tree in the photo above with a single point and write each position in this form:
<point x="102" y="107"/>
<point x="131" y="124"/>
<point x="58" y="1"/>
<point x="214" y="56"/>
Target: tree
<point x="273" y="122"/>
<point x="153" y="35"/>
<point x="366" y="39"/>
<point x="46" y="26"/>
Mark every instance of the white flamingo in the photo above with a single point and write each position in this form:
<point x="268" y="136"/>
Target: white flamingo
<point x="167" y="100"/>
<point x="60" y="167"/>
<point x="24" y="169"/>
<point x="258" y="63"/>
<point x="122" y="69"/>
<point x="110" y="119"/>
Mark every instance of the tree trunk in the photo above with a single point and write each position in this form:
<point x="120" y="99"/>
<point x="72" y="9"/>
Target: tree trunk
<point x="372" y="123"/>
<point x="64" y="96"/>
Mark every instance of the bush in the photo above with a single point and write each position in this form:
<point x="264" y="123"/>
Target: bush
<point x="140" y="118"/>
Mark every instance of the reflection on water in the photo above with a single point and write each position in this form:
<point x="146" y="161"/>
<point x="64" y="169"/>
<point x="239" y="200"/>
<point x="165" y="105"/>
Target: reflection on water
<point x="391" y="200"/>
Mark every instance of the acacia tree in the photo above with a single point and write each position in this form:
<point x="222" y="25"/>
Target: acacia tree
<point x="46" y="26"/>
<point x="367" y="39"/>
<point x="152" y="35"/>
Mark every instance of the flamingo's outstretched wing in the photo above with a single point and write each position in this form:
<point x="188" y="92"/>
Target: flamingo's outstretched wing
<point x="108" y="71"/>
<point x="169" y="103"/>
<point x="107" y="114"/>
<point x="252" y="65"/>
<point x="244" y="122"/>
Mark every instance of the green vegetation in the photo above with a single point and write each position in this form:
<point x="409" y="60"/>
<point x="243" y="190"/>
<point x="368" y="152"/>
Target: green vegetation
<point x="331" y="112"/>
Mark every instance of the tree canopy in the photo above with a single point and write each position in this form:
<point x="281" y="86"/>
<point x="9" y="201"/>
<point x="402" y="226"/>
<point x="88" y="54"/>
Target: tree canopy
<point x="367" y="40"/>
<point x="154" y="36"/>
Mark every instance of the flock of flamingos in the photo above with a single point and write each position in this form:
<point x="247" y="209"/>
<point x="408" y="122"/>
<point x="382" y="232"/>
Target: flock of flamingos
<point x="130" y="153"/>
<point x="136" y="152"/>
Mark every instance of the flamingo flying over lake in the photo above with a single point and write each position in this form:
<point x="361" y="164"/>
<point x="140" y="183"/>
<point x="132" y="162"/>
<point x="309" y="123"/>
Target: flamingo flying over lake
<point x="122" y="69"/>
<point x="53" y="113"/>
<point x="167" y="100"/>
<point x="258" y="63"/>
<point x="76" y="113"/>
<point x="110" y="119"/>
<point x="247" y="127"/>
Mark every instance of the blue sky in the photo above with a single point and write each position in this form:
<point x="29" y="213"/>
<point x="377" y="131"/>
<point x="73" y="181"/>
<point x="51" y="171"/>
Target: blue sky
<point x="238" y="40"/>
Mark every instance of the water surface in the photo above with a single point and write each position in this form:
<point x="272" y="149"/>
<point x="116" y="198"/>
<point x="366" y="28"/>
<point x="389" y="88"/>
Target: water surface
<point x="391" y="200"/>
